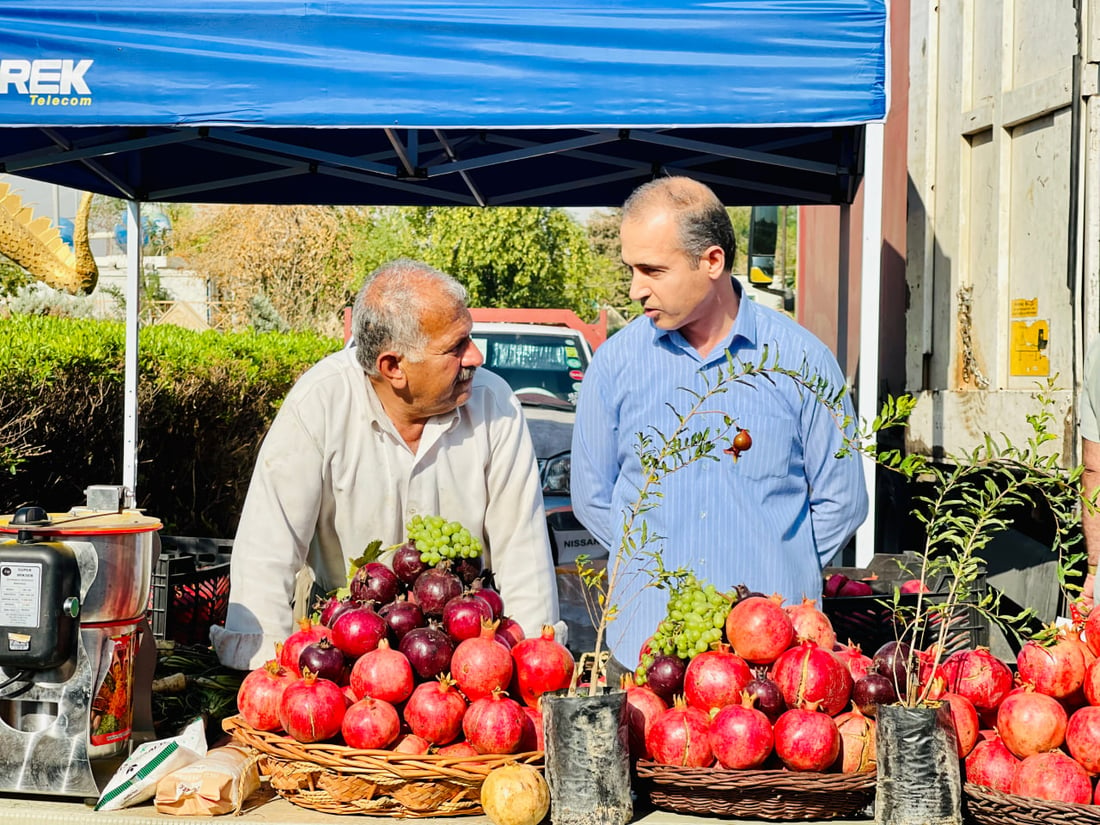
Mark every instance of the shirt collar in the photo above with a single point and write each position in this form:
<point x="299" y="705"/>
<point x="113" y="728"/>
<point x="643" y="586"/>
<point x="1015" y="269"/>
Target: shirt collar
<point x="744" y="328"/>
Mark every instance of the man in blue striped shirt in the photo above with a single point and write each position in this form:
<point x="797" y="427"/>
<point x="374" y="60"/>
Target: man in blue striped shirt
<point x="770" y="520"/>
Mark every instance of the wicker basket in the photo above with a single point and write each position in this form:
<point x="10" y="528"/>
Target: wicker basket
<point x="336" y="779"/>
<point x="777" y="795"/>
<point x="989" y="807"/>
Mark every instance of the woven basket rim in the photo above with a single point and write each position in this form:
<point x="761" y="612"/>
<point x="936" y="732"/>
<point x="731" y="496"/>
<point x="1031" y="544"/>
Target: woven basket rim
<point x="358" y="760"/>
<point x="724" y="779"/>
<point x="1013" y="809"/>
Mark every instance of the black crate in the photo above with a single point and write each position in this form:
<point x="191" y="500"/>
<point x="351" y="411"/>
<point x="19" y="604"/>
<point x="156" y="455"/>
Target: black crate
<point x="869" y="622"/>
<point x="190" y="588"/>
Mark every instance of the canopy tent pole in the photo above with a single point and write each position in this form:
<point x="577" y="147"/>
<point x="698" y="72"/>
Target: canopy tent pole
<point x="869" y="312"/>
<point x="133" y="300"/>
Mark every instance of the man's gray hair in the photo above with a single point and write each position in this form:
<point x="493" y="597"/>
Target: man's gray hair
<point x="701" y="219"/>
<point x="389" y="310"/>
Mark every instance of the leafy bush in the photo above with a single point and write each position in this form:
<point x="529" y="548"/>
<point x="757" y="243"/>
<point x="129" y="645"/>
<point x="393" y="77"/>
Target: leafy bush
<point x="205" y="401"/>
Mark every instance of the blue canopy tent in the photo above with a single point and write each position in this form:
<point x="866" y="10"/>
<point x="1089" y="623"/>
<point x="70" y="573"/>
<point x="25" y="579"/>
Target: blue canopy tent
<point x="448" y="102"/>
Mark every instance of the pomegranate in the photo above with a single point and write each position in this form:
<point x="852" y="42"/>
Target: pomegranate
<point x="358" y="630"/>
<point x="1030" y="723"/>
<point x="806" y="740"/>
<point x="1092" y="631"/>
<point x="858" y="663"/>
<point x="740" y="735"/>
<point x="680" y="736"/>
<point x="964" y="716"/>
<point x="382" y="673"/>
<point x="809" y="674"/>
<point x="494" y="724"/>
<point x="1091" y="685"/>
<point x="370" y="724"/>
<point x="533" y="739"/>
<point x="512" y="629"/>
<point x="542" y="665"/>
<point x="857" y="742"/>
<point x="307" y="633"/>
<point x="1083" y="738"/>
<point x="1057" y="670"/>
<point x="1052" y="776"/>
<point x="325" y="659"/>
<point x="401" y="616"/>
<point x="259" y="694"/>
<point x="434" y="588"/>
<point x="411" y="743"/>
<point x="407" y="564"/>
<point x="374" y="583"/>
<point x="428" y="650"/>
<point x="467" y="569"/>
<point x="312" y="709"/>
<point x="515" y="794"/>
<point x="482" y="588"/>
<point x="435" y="710"/>
<point x="715" y="678"/>
<point x="464" y="614"/>
<point x="810" y="624"/>
<point x="914" y="586"/>
<point x="767" y="696"/>
<point x="643" y="705"/>
<point x="892" y="661"/>
<point x="665" y="676"/>
<point x="759" y="629"/>
<point x="991" y="765"/>
<point x="333" y="607"/>
<point x="873" y="690"/>
<point x="979" y="676"/>
<point x="461" y="749"/>
<point x="482" y="665"/>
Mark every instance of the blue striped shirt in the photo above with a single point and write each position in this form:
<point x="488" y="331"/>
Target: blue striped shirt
<point x="770" y="520"/>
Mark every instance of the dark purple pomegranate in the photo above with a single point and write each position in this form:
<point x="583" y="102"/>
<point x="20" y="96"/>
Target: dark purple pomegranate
<point x="407" y="564"/>
<point x="665" y="676"/>
<point x="768" y="697"/>
<point x="428" y="650"/>
<point x="401" y="616"/>
<point x="374" y="582"/>
<point x="467" y="569"/>
<point x="325" y="660"/>
<point x="333" y="607"/>
<point x="434" y="588"/>
<point x="481" y="588"/>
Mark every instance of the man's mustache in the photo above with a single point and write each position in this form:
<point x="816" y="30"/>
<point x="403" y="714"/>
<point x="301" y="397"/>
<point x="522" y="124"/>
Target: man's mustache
<point x="466" y="374"/>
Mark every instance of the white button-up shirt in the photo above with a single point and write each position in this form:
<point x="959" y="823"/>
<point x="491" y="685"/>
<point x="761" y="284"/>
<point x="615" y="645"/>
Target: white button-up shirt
<point x="333" y="475"/>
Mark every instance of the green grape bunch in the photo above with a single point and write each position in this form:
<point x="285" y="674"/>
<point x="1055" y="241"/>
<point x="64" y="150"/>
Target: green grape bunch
<point x="438" y="539"/>
<point x="694" y="622"/>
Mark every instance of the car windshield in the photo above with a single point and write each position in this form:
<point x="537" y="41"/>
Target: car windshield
<point x="550" y="366"/>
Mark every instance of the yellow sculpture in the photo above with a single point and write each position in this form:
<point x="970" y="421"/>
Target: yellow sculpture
<point x="35" y="244"/>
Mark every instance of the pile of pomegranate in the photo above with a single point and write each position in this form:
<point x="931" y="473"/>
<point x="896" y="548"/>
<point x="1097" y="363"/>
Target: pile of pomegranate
<point x="780" y="692"/>
<point x="418" y="658"/>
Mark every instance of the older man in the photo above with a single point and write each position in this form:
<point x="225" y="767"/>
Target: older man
<point x="401" y="424"/>
<point x="772" y="518"/>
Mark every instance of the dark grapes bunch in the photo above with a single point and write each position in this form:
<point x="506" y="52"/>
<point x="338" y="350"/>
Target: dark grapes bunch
<point x="694" y="622"/>
<point x="438" y="539"/>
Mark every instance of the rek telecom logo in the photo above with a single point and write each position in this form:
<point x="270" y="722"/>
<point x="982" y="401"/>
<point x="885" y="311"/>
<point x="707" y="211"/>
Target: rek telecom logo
<point x="47" y="82"/>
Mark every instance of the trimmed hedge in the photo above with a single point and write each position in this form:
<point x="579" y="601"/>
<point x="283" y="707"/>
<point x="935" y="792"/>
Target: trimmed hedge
<point x="205" y="401"/>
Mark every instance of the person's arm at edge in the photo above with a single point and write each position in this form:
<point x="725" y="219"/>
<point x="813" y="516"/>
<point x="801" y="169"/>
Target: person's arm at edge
<point x="1090" y="517"/>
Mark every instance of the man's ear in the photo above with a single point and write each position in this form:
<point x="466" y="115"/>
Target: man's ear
<point x="714" y="261"/>
<point x="391" y="369"/>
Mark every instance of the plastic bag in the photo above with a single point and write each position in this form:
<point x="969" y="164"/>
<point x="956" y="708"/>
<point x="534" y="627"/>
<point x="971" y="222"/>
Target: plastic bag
<point x="217" y="784"/>
<point x="136" y="779"/>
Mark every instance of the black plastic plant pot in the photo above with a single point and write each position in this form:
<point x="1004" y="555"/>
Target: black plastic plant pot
<point x="918" y="767"/>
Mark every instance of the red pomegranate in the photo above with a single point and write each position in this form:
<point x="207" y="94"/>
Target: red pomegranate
<point x="1091" y="685"/>
<point x="307" y="633"/>
<point x="1083" y="738"/>
<point x="992" y="765"/>
<point x="715" y="678"/>
<point x="459" y="749"/>
<point x="857" y="742"/>
<point x="411" y="743"/>
<point x="741" y="736"/>
<point x="1031" y="723"/>
<point x="810" y="624"/>
<point x="1052" y="776"/>
<point x="643" y="705"/>
<point x="464" y="614"/>
<point x="512" y="629"/>
<point x="494" y="724"/>
<point x="358" y="630"/>
<point x="979" y="676"/>
<point x="383" y="673"/>
<point x="759" y="629"/>
<point x="1092" y="631"/>
<point x="259" y="694"/>
<point x="370" y="724"/>
<point x="1057" y="670"/>
<point x="533" y="739"/>
<point x="806" y="740"/>
<point x="312" y="709"/>
<point x="809" y="674"/>
<point x="482" y="588"/>
<point x="964" y="716"/>
<point x="482" y="665"/>
<point x="542" y="665"/>
<point x="435" y="710"/>
<point x="859" y="664"/>
<point x="680" y="736"/>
